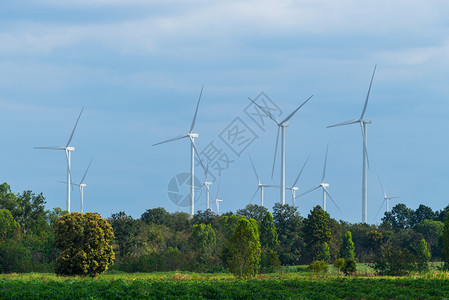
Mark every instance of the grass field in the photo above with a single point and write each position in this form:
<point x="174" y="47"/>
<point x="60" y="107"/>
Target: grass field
<point x="287" y="283"/>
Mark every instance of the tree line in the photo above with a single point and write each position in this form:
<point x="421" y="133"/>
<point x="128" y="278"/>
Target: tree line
<point x="249" y="240"/>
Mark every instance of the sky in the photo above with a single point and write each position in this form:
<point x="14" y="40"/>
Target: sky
<point x="137" y="67"/>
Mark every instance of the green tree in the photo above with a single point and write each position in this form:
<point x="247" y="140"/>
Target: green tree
<point x="347" y="247"/>
<point x="203" y="241"/>
<point x="422" y="213"/>
<point x="268" y="235"/>
<point x="422" y="256"/>
<point x="446" y="243"/>
<point x="323" y="253"/>
<point x="339" y="263"/>
<point x="83" y="240"/>
<point x="125" y="235"/>
<point x="288" y="225"/>
<point x="9" y="228"/>
<point x="432" y="232"/>
<point x="253" y="211"/>
<point x="316" y="230"/>
<point x="317" y="266"/>
<point x="349" y="267"/>
<point x="400" y="217"/>
<point x="158" y="216"/>
<point x="244" y="249"/>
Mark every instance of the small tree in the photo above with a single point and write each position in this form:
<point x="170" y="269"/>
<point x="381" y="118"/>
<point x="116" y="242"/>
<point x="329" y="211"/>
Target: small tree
<point x="84" y="243"/>
<point x="317" y="266"/>
<point x="323" y="253"/>
<point x="349" y="267"/>
<point x="339" y="263"/>
<point x="244" y="248"/>
<point x="347" y="247"/>
<point x="422" y="256"/>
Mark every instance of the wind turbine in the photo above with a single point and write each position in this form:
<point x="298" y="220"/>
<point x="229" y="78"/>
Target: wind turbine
<point x="294" y="188"/>
<point x="207" y="184"/>
<point x="68" y="149"/>
<point x="260" y="185"/>
<point x="386" y="198"/>
<point x="217" y="201"/>
<point x="193" y="150"/>
<point x="82" y="185"/>
<point x="363" y="122"/>
<point x="323" y="185"/>
<point x="281" y="127"/>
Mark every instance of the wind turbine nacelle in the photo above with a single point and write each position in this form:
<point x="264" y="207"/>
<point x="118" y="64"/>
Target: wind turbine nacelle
<point x="295" y="188"/>
<point x="326" y="185"/>
<point x="70" y="148"/>
<point x="83" y="185"/>
<point x="367" y="121"/>
<point x="207" y="183"/>
<point x="193" y="135"/>
<point x="285" y="124"/>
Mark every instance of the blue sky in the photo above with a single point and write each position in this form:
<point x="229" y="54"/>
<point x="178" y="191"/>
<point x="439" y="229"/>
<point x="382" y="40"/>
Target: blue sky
<point x="138" y="66"/>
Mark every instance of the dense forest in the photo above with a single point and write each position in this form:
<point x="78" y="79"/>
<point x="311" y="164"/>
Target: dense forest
<point x="161" y="241"/>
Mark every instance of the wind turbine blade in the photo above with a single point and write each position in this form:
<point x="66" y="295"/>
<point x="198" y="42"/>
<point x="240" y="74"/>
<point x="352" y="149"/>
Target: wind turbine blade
<point x="345" y="123"/>
<point x="82" y="180"/>
<point x="275" y="152"/>
<point x="172" y="139"/>
<point x="269" y="185"/>
<point x="367" y="95"/>
<point x="379" y="209"/>
<point x="393" y="197"/>
<point x="325" y="163"/>
<point x="383" y="190"/>
<point x="270" y="115"/>
<point x="196" y="110"/>
<point x="74" y="128"/>
<point x="254" y="169"/>
<point x="365" y="149"/>
<point x="254" y="195"/>
<point x="291" y="115"/>
<point x="330" y="197"/>
<point x="197" y="154"/>
<point x="309" y="191"/>
<point x="51" y="148"/>
<point x="300" y="172"/>
<point x="207" y="171"/>
<point x="218" y="189"/>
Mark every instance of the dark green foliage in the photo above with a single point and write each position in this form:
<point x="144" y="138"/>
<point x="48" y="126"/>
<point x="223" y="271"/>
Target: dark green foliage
<point x="316" y="230"/>
<point x="288" y="226"/>
<point x="422" y="257"/>
<point x="158" y="216"/>
<point x="205" y="217"/>
<point x="394" y="261"/>
<point x="349" y="267"/>
<point x="125" y="234"/>
<point x="400" y="217"/>
<point x="253" y="211"/>
<point x="203" y="241"/>
<point x="323" y="253"/>
<point x="244" y="249"/>
<point x="269" y="261"/>
<point x="347" y="247"/>
<point x="14" y="257"/>
<point x="445" y="243"/>
<point x="317" y="266"/>
<point x="432" y="231"/>
<point x="422" y="213"/>
<point x="268" y="235"/>
<point x="84" y="243"/>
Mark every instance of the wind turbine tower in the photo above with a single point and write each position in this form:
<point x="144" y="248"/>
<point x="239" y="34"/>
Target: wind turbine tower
<point x="260" y="185"/>
<point x="363" y="122"/>
<point x="281" y="128"/>
<point x="193" y="150"/>
<point x="68" y="149"/>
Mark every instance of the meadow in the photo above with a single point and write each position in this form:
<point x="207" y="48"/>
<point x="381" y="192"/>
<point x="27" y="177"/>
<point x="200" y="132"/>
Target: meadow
<point x="287" y="283"/>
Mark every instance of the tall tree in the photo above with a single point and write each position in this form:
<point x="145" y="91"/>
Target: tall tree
<point x="268" y="235"/>
<point x="9" y="228"/>
<point x="253" y="211"/>
<point x="400" y="217"/>
<point x="288" y="226"/>
<point x="316" y="230"/>
<point x="446" y="243"/>
<point x="422" y="213"/>
<point x="158" y="216"/>
<point x="124" y="227"/>
<point x="203" y="241"/>
<point x="347" y="247"/>
<point x="244" y="249"/>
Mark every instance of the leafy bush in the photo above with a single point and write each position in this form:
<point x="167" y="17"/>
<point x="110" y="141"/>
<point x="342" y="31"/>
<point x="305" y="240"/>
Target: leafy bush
<point x="339" y="263"/>
<point x="349" y="267"/>
<point x="317" y="266"/>
<point x="84" y="243"/>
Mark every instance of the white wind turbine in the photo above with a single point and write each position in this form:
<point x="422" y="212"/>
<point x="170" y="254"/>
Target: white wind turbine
<point x="363" y="122"/>
<point x="217" y="201"/>
<point x="82" y="185"/>
<point x="207" y="184"/>
<point x="193" y="150"/>
<point x="260" y="185"/>
<point x="68" y="151"/>
<point x="323" y="185"/>
<point x="281" y="127"/>
<point x="294" y="188"/>
<point x="386" y="198"/>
